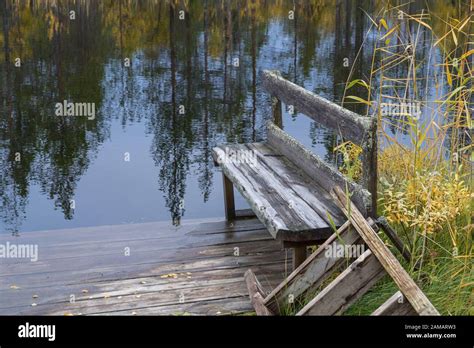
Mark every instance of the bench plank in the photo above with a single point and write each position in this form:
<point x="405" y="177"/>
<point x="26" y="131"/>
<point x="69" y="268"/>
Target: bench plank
<point x="308" y="189"/>
<point x="349" y="124"/>
<point x="327" y="176"/>
<point x="288" y="202"/>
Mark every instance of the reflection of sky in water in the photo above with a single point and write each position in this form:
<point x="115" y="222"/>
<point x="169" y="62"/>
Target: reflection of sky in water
<point x="135" y="111"/>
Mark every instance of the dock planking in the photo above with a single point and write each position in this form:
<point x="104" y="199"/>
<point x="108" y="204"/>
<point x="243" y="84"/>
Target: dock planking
<point x="141" y="269"/>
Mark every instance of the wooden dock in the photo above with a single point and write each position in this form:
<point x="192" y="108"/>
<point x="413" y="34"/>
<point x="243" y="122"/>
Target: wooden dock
<point x="141" y="269"/>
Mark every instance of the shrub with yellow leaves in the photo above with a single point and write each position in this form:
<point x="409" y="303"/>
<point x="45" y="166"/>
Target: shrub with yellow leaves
<point x="351" y="164"/>
<point x="412" y="195"/>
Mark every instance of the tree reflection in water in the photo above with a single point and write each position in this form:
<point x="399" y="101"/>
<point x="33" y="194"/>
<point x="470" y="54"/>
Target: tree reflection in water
<point x="183" y="84"/>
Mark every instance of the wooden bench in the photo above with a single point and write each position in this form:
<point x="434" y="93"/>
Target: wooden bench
<point x="286" y="185"/>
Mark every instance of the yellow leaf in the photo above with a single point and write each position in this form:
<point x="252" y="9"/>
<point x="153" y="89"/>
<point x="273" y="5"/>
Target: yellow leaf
<point x="419" y="21"/>
<point x="389" y="32"/>
<point x="454" y="38"/>
<point x="467" y="54"/>
<point x="353" y="97"/>
<point x="448" y="76"/>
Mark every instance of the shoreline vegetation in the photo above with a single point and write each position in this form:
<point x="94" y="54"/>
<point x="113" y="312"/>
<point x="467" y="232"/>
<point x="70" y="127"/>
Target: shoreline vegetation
<point x="425" y="185"/>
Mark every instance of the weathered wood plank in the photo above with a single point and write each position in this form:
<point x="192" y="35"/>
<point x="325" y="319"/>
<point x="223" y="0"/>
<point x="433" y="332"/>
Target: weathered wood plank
<point x="395" y="305"/>
<point x="227" y="306"/>
<point x="144" y="251"/>
<point x="226" y="227"/>
<point x="210" y="276"/>
<point x="327" y="176"/>
<point x="405" y="283"/>
<point x="255" y="294"/>
<point x="349" y="286"/>
<point x="347" y="123"/>
<point x="12" y="299"/>
<point x="305" y="187"/>
<point x="286" y="214"/>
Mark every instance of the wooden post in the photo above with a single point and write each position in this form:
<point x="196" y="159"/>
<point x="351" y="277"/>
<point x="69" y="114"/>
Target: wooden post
<point x="228" y="198"/>
<point x="299" y="255"/>
<point x="369" y="165"/>
<point x="277" y="113"/>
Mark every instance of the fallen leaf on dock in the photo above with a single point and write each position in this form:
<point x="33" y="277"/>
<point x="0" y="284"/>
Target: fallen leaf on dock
<point x="170" y="275"/>
<point x="68" y="314"/>
<point x="14" y="287"/>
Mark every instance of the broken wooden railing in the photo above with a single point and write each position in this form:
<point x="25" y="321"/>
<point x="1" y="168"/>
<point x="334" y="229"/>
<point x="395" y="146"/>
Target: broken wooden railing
<point x="307" y="281"/>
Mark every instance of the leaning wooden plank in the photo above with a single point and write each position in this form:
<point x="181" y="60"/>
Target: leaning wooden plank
<point x="349" y="286"/>
<point x="405" y="283"/>
<point x="255" y="294"/>
<point x="395" y="305"/>
<point x="349" y="124"/>
<point x="313" y="271"/>
<point x="314" y="167"/>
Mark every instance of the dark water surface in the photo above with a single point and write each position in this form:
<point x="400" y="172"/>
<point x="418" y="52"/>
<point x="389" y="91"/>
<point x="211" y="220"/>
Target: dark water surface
<point x="181" y="95"/>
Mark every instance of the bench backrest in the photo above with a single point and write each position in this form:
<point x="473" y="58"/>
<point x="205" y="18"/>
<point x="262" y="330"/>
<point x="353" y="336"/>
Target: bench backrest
<point x="351" y="126"/>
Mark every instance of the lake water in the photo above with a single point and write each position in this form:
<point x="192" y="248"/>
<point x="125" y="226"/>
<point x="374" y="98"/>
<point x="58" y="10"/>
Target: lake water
<point x="168" y="83"/>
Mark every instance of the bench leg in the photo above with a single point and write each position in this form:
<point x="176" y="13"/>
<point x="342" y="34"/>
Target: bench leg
<point x="299" y="255"/>
<point x="228" y="198"/>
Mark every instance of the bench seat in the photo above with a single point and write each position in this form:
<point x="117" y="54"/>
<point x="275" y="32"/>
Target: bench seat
<point x="293" y="206"/>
